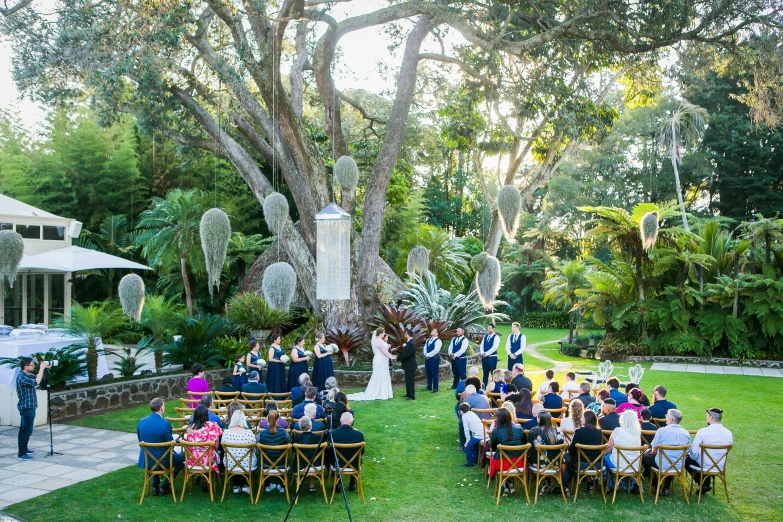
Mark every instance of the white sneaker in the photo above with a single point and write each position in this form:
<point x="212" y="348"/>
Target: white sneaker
<point x="246" y="489"/>
<point x="280" y="488"/>
<point x="269" y="488"/>
<point x="236" y="489"/>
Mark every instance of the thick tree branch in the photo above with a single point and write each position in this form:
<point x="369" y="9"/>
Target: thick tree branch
<point x="8" y="11"/>
<point x="359" y="107"/>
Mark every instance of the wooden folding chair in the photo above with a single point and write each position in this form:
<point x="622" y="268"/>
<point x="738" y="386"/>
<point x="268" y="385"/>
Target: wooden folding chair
<point x="277" y="397"/>
<point x="557" y="413"/>
<point x="486" y="426"/>
<point x="594" y="468"/>
<point x="715" y="466"/>
<point x="252" y="400"/>
<point x="186" y="413"/>
<point x="668" y="467"/>
<point x="606" y="435"/>
<point x="177" y="434"/>
<point x="518" y="474"/>
<point x="178" y="421"/>
<point x="221" y="403"/>
<point x="494" y="399"/>
<point x="349" y="467"/>
<point x="648" y="436"/>
<point x="201" y="465"/>
<point x="629" y="464"/>
<point x="285" y="406"/>
<point x="234" y="466"/>
<point x="194" y="398"/>
<point x="551" y="468"/>
<point x="273" y="467"/>
<point x="572" y="394"/>
<point x="154" y="466"/>
<point x="253" y="413"/>
<point x="487" y="411"/>
<point x="659" y="422"/>
<point x="226" y="396"/>
<point x="568" y="435"/>
<point x="317" y="467"/>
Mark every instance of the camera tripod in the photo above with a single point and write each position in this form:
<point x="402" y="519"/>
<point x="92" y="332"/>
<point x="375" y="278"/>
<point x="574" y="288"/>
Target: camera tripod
<point x="46" y="385"/>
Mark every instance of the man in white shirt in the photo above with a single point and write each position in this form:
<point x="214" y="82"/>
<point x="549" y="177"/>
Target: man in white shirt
<point x="474" y="434"/>
<point x="570" y="384"/>
<point x="459" y="362"/>
<point x="489" y="353"/>
<point x="432" y="360"/>
<point x="713" y="434"/>
<point x="544" y="387"/>
<point x="515" y="346"/>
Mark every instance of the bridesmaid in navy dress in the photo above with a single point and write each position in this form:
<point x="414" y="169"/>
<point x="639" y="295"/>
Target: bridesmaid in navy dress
<point x="322" y="369"/>
<point x="239" y="373"/>
<point x="275" y="373"/>
<point x="298" y="363"/>
<point x="253" y="358"/>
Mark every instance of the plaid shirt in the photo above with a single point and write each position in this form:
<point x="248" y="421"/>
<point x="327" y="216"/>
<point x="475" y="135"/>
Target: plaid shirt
<point x="25" y="390"/>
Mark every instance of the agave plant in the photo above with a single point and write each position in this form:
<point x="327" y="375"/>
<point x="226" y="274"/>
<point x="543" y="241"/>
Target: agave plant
<point x="129" y="363"/>
<point x="346" y="338"/>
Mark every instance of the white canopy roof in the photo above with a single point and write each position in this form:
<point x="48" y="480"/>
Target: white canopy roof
<point x="13" y="207"/>
<point x="74" y="258"/>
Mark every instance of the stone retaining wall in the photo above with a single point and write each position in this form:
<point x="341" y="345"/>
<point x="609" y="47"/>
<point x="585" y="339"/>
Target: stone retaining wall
<point x="71" y="404"/>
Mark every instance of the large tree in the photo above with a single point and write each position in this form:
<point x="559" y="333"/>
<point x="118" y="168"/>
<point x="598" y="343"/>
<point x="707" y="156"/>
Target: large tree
<point x="209" y="73"/>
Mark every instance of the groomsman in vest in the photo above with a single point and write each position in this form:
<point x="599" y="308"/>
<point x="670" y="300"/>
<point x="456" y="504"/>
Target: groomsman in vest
<point x="432" y="360"/>
<point x="489" y="352"/>
<point x="459" y="362"/>
<point x="515" y="345"/>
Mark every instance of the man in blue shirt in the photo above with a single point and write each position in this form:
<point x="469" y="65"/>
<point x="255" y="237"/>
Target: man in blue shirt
<point x="660" y="404"/>
<point x="299" y="410"/>
<point x="28" y="402"/>
<point x="619" y="397"/>
<point x="670" y="435"/>
<point x="156" y="429"/>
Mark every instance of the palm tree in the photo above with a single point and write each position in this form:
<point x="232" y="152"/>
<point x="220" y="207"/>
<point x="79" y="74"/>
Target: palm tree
<point x="561" y="286"/>
<point x="767" y="231"/>
<point x="448" y="259"/>
<point x="159" y="318"/>
<point x="170" y="234"/>
<point x="114" y="238"/>
<point x="92" y="324"/>
<point x="681" y="131"/>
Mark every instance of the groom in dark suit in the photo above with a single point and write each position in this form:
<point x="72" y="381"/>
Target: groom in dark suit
<point x="408" y="362"/>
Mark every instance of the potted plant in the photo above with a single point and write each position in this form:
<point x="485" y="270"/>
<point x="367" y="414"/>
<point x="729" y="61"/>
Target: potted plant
<point x="255" y="315"/>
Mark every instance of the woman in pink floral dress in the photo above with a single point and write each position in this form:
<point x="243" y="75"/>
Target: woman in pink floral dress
<point x="203" y="430"/>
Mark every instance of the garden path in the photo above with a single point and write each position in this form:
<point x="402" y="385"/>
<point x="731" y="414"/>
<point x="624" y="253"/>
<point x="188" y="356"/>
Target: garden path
<point x="721" y="370"/>
<point x="557" y="366"/>
<point x="86" y="453"/>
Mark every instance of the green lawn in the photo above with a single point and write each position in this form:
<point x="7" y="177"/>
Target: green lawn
<point x="413" y="471"/>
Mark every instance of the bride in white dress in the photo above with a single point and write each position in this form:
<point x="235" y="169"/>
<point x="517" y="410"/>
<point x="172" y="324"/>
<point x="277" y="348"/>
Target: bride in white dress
<point x="379" y="387"/>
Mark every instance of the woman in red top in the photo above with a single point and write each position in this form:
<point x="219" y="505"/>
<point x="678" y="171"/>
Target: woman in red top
<point x="203" y="430"/>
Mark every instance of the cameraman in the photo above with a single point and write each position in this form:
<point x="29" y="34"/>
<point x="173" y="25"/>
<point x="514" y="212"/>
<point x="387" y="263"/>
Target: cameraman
<point x="28" y="402"/>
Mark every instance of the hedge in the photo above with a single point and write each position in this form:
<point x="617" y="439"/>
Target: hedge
<point x="557" y="320"/>
<point x="571" y="349"/>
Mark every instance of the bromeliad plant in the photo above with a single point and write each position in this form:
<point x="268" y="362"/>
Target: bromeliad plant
<point x="346" y="338"/>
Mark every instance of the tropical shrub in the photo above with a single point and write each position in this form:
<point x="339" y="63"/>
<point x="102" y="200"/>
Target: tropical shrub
<point x="229" y="347"/>
<point x="556" y="319"/>
<point x="250" y="311"/>
<point x="129" y="364"/>
<point x="395" y="320"/>
<point x="571" y="349"/>
<point x="159" y="318"/>
<point x="71" y="364"/>
<point x="198" y="342"/>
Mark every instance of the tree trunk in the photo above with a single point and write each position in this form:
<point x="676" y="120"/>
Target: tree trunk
<point x="571" y="327"/>
<point x="183" y="265"/>
<point x="91" y="358"/>
<point x="677" y="177"/>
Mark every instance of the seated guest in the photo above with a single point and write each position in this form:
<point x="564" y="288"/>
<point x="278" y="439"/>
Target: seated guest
<point x="232" y="407"/>
<point x="496" y="383"/>
<point x="613" y="383"/>
<point x="252" y="385"/>
<point x="474" y="434"/>
<point x="206" y="401"/>
<point x="331" y="382"/>
<point x="551" y="400"/>
<point x="588" y="434"/>
<point x="570" y="385"/>
<point x="297" y="392"/>
<point x="473" y="376"/>
<point x="476" y="401"/>
<point x="227" y="386"/>
<point x="508" y="378"/>
<point x="506" y="433"/>
<point x="237" y="433"/>
<point x="670" y="435"/>
<point x="574" y="420"/>
<point x="610" y="418"/>
<point x="627" y="435"/>
<point x="545" y="434"/>
<point x="519" y="380"/>
<point x="346" y="434"/>
<point x="298" y="410"/>
<point x="524" y="410"/>
<point x="544" y="386"/>
<point x="598" y="404"/>
<point x="647" y="425"/>
<point x="340" y="406"/>
<point x="511" y="395"/>
<point x="644" y="400"/>
<point x="634" y="403"/>
<point x="155" y="429"/>
<point x="311" y="413"/>
<point x="307" y="437"/>
<point x="197" y="384"/>
<point x="660" y="404"/>
<point x="716" y="434"/>
<point x="281" y="423"/>
<point x="508" y="405"/>
<point x="273" y="436"/>
<point x="203" y="430"/>
<point x="584" y="394"/>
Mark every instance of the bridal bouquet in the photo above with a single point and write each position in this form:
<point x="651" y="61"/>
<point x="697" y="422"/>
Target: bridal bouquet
<point x="241" y="371"/>
<point x="284" y="359"/>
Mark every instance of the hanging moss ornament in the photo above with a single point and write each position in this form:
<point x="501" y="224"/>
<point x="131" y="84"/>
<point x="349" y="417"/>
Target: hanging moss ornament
<point x="488" y="281"/>
<point x="346" y="172"/>
<point x="11" y="252"/>
<point x="215" y="231"/>
<point x="131" y="291"/>
<point x="279" y="285"/>
<point x="479" y="261"/>
<point x="648" y="229"/>
<point x="275" y="212"/>
<point x="509" y="210"/>
<point x="418" y="261"/>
